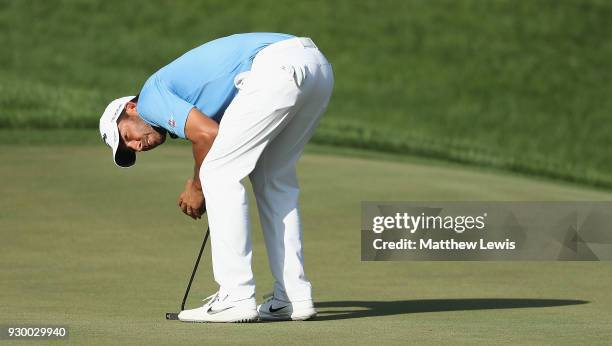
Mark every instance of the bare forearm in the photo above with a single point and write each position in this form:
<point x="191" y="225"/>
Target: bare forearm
<point x="201" y="131"/>
<point x="200" y="150"/>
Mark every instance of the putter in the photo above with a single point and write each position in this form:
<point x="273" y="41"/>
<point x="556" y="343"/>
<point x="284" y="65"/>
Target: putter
<point x="174" y="315"/>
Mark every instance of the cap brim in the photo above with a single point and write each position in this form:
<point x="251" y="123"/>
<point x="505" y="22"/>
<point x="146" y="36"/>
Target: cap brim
<point x="125" y="158"/>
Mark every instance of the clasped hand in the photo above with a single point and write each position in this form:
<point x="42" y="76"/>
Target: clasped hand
<point x="191" y="201"/>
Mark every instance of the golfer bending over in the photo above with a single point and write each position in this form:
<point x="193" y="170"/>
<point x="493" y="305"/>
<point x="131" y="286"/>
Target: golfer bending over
<point x="248" y="103"/>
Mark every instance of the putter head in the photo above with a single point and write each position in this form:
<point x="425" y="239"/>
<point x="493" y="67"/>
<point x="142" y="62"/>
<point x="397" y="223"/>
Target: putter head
<point x="172" y="316"/>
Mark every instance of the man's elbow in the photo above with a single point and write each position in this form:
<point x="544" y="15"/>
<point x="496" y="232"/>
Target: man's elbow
<point x="212" y="133"/>
<point x="207" y="136"/>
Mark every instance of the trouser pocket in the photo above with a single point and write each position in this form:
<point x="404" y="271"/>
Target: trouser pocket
<point x="297" y="74"/>
<point x="240" y="79"/>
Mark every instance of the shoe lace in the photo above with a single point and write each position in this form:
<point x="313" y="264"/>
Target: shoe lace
<point x="210" y="299"/>
<point x="268" y="296"/>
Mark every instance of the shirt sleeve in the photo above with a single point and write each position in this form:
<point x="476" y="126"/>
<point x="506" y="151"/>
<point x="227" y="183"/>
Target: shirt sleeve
<point x="158" y="105"/>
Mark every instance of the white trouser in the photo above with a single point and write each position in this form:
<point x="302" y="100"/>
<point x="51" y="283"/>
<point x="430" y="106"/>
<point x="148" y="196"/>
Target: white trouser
<point x="262" y="135"/>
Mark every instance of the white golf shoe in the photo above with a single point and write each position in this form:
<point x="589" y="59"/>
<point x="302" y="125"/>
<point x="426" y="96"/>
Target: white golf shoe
<point x="220" y="309"/>
<point x="274" y="309"/>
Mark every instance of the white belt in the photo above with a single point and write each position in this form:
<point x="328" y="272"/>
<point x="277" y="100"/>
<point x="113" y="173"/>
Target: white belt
<point x="301" y="42"/>
<point x="285" y="51"/>
<point x="307" y="42"/>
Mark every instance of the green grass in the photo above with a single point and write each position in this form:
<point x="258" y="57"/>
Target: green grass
<point x="519" y="85"/>
<point x="106" y="252"/>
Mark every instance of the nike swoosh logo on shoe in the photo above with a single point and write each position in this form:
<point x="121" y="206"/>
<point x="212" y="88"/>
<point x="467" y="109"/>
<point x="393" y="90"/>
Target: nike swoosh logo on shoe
<point x="212" y="312"/>
<point x="277" y="309"/>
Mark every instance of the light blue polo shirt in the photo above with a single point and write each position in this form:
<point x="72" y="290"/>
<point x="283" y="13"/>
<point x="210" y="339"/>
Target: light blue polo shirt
<point x="201" y="78"/>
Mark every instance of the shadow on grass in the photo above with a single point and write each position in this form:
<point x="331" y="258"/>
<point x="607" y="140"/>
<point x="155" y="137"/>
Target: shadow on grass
<point x="356" y="309"/>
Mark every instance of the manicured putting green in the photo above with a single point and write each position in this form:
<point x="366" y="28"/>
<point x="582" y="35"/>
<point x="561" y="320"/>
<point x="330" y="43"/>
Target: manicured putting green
<point x="106" y="252"/>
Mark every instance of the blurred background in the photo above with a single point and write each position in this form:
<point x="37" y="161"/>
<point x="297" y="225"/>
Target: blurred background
<point x="486" y="100"/>
<point x="520" y="85"/>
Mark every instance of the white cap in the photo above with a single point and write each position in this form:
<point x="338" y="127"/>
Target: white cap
<point x="110" y="132"/>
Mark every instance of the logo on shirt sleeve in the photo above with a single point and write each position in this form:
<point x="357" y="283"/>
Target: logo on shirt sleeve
<point x="171" y="121"/>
